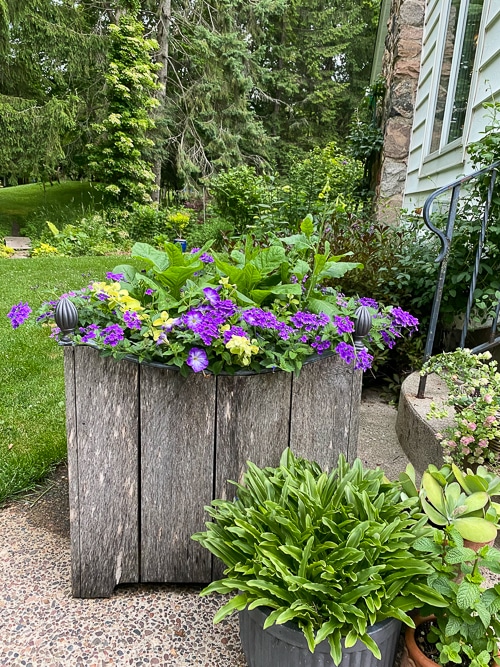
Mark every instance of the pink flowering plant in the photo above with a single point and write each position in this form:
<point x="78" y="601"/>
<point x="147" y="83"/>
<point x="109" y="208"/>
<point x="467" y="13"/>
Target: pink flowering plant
<point x="257" y="309"/>
<point x="473" y="383"/>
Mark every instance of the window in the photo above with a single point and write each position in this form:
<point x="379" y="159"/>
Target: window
<point x="461" y="38"/>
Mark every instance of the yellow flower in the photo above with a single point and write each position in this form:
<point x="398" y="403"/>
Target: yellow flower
<point x="242" y="348"/>
<point x="163" y="319"/>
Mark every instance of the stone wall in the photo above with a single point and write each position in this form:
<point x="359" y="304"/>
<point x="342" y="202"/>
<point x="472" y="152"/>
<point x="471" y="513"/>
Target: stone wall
<point x="401" y="68"/>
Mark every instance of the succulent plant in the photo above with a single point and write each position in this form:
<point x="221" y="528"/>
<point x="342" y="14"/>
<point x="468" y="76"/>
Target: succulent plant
<point x="450" y="497"/>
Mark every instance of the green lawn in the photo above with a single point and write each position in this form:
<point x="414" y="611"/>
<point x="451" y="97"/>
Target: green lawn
<point x="22" y="204"/>
<point x="32" y="417"/>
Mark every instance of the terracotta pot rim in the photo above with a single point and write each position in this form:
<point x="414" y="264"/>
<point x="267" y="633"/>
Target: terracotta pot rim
<point x="413" y="651"/>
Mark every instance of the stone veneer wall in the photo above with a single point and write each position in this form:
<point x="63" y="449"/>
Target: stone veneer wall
<point x="401" y="68"/>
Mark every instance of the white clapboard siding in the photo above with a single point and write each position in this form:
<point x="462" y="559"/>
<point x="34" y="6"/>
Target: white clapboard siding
<point x="427" y="172"/>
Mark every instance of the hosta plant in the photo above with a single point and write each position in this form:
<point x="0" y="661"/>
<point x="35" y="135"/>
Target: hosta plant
<point x="257" y="309"/>
<point x="333" y="553"/>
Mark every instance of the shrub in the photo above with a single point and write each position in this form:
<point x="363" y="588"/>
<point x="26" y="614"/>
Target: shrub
<point x="6" y="251"/>
<point x="91" y="236"/>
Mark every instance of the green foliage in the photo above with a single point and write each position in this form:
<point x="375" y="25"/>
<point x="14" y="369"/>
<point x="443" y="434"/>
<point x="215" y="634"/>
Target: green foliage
<point x="467" y="628"/>
<point x="332" y="553"/>
<point x="32" y="136"/>
<point x="29" y="206"/>
<point x="473" y="383"/>
<point x="32" y="416"/>
<point x="315" y="59"/>
<point x="88" y="236"/>
<point x="238" y="195"/>
<point x="456" y="499"/>
<point x="51" y="80"/>
<point x="118" y="155"/>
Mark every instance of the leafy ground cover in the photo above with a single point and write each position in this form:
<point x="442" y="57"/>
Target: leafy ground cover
<point x="34" y="201"/>
<point x="32" y="407"/>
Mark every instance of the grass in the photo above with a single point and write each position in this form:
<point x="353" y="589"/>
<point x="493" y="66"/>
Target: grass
<point x="32" y="405"/>
<point x="34" y="203"/>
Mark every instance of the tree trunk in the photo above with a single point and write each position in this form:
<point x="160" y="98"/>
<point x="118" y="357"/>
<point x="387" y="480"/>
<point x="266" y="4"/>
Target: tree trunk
<point x="162" y="37"/>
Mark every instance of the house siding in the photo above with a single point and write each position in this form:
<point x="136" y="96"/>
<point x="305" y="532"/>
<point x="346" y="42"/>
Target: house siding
<point x="427" y="172"/>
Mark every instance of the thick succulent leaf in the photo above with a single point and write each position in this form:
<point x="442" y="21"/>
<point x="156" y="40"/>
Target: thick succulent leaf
<point x="475" y="529"/>
<point x="434" y="491"/>
<point x="476" y="501"/>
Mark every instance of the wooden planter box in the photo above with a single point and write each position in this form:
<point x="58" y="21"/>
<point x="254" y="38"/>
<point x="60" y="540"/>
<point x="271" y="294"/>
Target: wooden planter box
<point x="148" y="449"/>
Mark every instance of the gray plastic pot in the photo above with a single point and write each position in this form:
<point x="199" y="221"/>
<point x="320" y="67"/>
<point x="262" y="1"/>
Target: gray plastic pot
<point x="286" y="646"/>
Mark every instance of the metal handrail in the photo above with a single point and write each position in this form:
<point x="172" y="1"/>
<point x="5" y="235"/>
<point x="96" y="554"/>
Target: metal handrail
<point x="445" y="238"/>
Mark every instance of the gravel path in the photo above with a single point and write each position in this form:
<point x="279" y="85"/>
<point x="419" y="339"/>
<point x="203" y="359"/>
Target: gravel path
<point x="41" y="625"/>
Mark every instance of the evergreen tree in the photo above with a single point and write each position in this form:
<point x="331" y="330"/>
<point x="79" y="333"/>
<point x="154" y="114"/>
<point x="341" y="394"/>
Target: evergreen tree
<point x="119" y="154"/>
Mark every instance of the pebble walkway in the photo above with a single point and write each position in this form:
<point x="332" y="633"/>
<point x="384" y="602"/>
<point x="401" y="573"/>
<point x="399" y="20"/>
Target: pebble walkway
<point x="41" y="625"/>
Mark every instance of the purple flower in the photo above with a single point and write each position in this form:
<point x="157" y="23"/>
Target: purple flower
<point x="149" y="291"/>
<point x="197" y="359"/>
<point x="234" y="331"/>
<point x="102" y="296"/>
<point x="366" y="301"/>
<point x="43" y="316"/>
<point x="55" y="332"/>
<point x="112" y="335"/>
<point x="194" y="250"/>
<point x="212" y="295"/>
<point x="131" y="319"/>
<point x="89" y="332"/>
<point x="320" y="345"/>
<point x="343" y="324"/>
<point x="346" y="352"/>
<point x="115" y="276"/>
<point x="192" y="318"/>
<point x="363" y="360"/>
<point x="390" y="342"/>
<point x="309" y="321"/>
<point x="206" y="258"/>
<point x="401" y="318"/>
<point x="19" y="314"/>
<point x="257" y="317"/>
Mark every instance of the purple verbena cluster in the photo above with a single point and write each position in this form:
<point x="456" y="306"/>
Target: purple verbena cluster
<point x="116" y="277"/>
<point x="89" y="333"/>
<point x="132" y="319"/>
<point x="112" y="335"/>
<point x="18" y="314"/>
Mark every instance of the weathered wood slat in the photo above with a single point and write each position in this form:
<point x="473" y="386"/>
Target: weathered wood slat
<point x="325" y="411"/>
<point x="252" y="424"/>
<point x="177" y="462"/>
<point x="107" y="466"/>
<point x="73" y="473"/>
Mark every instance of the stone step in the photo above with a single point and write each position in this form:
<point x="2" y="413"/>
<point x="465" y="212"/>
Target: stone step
<point x="18" y="242"/>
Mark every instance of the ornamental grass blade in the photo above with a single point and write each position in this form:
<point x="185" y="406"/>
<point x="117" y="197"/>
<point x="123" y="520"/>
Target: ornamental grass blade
<point x="371" y="645"/>
<point x="238" y="603"/>
<point x="334" y="640"/>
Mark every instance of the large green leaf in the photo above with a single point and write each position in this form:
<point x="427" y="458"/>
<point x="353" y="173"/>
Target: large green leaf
<point x="175" y="277"/>
<point x="269" y="259"/>
<point x="434" y="492"/>
<point x="157" y="259"/>
<point x="338" y="269"/>
<point x="467" y="595"/>
<point x="248" y="278"/>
